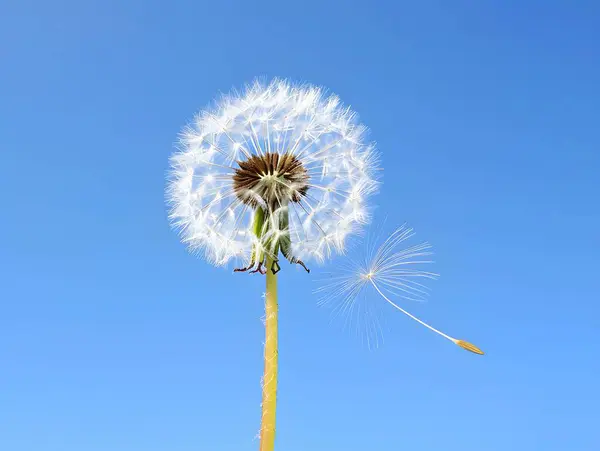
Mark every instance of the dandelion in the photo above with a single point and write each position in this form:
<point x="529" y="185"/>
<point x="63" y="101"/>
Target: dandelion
<point x="278" y="169"/>
<point x="391" y="271"/>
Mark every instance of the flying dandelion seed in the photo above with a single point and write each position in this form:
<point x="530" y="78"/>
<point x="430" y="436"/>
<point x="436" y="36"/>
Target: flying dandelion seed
<point x="390" y="271"/>
<point x="277" y="169"/>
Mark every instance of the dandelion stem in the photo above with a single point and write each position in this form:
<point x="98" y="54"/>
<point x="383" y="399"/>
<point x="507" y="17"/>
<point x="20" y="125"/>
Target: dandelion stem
<point x="269" y="396"/>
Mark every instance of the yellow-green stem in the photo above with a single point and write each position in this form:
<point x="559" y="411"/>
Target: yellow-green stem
<point x="269" y="396"/>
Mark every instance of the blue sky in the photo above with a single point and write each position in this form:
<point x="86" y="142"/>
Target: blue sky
<point x="113" y="337"/>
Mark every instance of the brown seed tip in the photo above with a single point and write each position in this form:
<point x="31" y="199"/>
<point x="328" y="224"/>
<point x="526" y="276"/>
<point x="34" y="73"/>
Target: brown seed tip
<point x="469" y="347"/>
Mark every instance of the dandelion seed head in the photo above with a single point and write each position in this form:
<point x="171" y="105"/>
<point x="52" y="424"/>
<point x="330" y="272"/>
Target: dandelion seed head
<point x="274" y="146"/>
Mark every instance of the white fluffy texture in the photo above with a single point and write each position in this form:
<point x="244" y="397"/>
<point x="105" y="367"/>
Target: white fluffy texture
<point x="391" y="269"/>
<point x="281" y="118"/>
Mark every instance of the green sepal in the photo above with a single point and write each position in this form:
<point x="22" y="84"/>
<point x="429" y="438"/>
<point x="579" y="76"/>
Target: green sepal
<point x="258" y="229"/>
<point x="285" y="241"/>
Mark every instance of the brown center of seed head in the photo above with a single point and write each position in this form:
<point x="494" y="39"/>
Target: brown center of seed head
<point x="273" y="178"/>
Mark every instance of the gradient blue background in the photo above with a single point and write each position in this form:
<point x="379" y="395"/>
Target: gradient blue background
<point x="112" y="337"/>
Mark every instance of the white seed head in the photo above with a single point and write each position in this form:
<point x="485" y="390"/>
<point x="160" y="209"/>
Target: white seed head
<point x="281" y="148"/>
